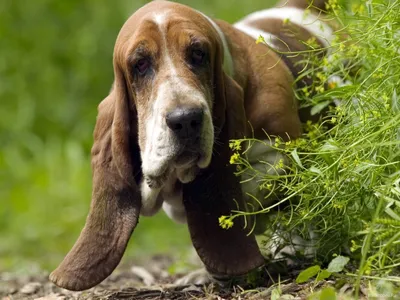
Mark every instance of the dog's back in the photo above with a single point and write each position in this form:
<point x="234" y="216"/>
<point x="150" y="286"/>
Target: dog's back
<point x="290" y="28"/>
<point x="296" y="30"/>
<point x="303" y="4"/>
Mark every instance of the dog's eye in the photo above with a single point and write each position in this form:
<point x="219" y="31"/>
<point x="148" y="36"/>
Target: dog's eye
<point x="143" y="65"/>
<point x="197" y="57"/>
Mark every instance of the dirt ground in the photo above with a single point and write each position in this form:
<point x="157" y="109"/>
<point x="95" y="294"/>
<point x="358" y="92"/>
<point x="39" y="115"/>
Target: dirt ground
<point x="151" y="280"/>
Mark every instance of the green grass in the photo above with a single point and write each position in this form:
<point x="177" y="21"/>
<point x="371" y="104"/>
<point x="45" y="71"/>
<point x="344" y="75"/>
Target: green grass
<point x="55" y="67"/>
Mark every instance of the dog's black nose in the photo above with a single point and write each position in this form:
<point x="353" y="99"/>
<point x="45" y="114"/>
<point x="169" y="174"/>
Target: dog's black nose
<point x="185" y="122"/>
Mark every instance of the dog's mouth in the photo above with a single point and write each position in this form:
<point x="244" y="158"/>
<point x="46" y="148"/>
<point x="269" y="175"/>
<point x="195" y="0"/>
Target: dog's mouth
<point x="188" y="153"/>
<point x="187" y="158"/>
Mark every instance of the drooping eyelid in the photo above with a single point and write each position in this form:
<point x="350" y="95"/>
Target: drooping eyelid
<point x="139" y="53"/>
<point x="200" y="44"/>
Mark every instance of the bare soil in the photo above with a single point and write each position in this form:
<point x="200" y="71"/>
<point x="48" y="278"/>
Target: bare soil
<point x="151" y="280"/>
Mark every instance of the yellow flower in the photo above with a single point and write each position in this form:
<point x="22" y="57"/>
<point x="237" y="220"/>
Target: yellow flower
<point x="358" y="8"/>
<point x="300" y="142"/>
<point x="234" y="158"/>
<point x="280" y="164"/>
<point x="321" y="76"/>
<point x="338" y="205"/>
<point x="305" y="91"/>
<point x="278" y="141"/>
<point x="332" y="4"/>
<point x="354" y="49"/>
<point x="225" y="222"/>
<point x="376" y="114"/>
<point x="354" y="246"/>
<point x="260" y="40"/>
<point x="221" y="219"/>
<point x="235" y="145"/>
<point x="332" y="85"/>
<point x="312" y="42"/>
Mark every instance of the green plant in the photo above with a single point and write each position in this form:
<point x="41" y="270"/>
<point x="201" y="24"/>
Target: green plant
<point x="335" y="266"/>
<point x="343" y="179"/>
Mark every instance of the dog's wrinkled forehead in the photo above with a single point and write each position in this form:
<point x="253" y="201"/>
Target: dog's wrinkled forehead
<point x="163" y="19"/>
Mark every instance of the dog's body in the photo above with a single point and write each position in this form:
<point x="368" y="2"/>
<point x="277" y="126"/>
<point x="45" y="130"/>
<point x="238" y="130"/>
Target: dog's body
<point x="184" y="86"/>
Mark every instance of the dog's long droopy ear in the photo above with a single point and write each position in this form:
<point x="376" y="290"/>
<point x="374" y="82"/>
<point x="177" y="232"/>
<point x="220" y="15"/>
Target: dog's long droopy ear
<point x="116" y="199"/>
<point x="216" y="192"/>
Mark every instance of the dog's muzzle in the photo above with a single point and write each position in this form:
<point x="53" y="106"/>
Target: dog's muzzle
<point x="185" y="123"/>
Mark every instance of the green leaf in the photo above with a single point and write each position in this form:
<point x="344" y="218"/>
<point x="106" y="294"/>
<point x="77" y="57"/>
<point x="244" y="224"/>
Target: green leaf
<point x="318" y="107"/>
<point x="337" y="264"/>
<point x="315" y="170"/>
<point x="395" y="102"/>
<point x="307" y="274"/>
<point x="324" y="274"/>
<point x="275" y="294"/>
<point x="296" y="157"/>
<point x="328" y="294"/>
<point x="330" y="146"/>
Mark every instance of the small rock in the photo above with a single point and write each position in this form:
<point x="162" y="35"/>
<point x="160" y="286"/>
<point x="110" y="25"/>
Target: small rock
<point x="144" y="275"/>
<point x="192" y="288"/>
<point x="8" y="288"/>
<point x="30" y="288"/>
<point x="287" y="297"/>
<point x="345" y="288"/>
<point x="52" y="297"/>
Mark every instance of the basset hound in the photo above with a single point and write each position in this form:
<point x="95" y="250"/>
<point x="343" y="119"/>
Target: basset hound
<point x="185" y="85"/>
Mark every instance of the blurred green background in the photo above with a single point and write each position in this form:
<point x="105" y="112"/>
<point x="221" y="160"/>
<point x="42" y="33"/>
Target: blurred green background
<point x="55" y="67"/>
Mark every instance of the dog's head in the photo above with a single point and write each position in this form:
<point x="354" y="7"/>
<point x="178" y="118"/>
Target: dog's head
<point x="166" y="107"/>
<point x="170" y="60"/>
